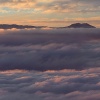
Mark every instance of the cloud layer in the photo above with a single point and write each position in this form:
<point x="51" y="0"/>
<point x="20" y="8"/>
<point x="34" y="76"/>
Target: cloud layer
<point x="50" y="64"/>
<point x="54" y="5"/>
<point x="50" y="85"/>
<point x="50" y="49"/>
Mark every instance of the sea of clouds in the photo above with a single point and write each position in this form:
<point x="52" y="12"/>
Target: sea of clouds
<point x="50" y="85"/>
<point x="50" y="64"/>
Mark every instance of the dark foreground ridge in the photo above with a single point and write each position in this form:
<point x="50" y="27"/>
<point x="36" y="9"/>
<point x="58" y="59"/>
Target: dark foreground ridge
<point x="81" y="25"/>
<point x="11" y="26"/>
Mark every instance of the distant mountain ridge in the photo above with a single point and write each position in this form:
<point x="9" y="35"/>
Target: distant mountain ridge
<point x="81" y="25"/>
<point x="10" y="26"/>
<point x="75" y="25"/>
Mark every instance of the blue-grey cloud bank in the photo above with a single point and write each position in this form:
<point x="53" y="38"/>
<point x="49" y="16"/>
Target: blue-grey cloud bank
<point x="49" y="49"/>
<point x="50" y="64"/>
<point x="50" y="85"/>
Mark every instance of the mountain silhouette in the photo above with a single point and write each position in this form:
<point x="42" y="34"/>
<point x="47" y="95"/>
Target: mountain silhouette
<point x="10" y="26"/>
<point x="75" y="25"/>
<point x="81" y="25"/>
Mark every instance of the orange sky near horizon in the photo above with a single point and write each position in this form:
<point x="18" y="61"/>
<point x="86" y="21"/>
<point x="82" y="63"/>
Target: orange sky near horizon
<point x="50" y="12"/>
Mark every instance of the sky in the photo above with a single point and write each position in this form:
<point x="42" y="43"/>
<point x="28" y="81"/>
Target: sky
<point x="49" y="12"/>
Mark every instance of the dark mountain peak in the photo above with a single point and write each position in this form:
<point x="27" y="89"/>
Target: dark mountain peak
<point x="81" y="25"/>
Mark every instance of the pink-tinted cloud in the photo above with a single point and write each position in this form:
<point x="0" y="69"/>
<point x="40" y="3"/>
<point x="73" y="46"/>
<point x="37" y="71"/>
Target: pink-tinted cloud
<point x="55" y="85"/>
